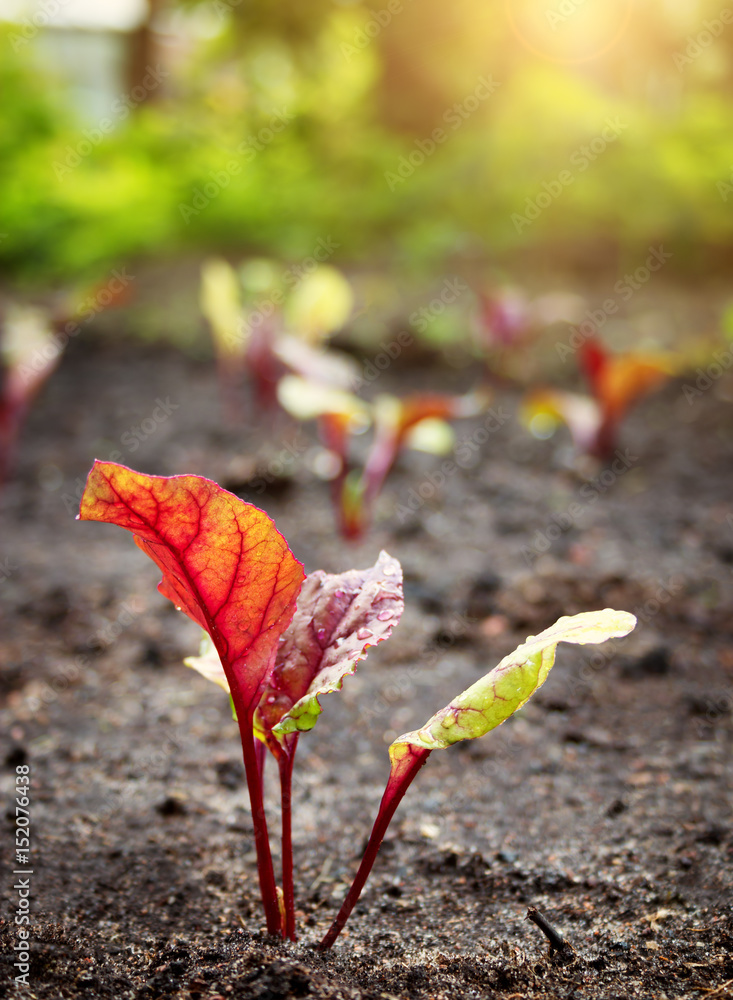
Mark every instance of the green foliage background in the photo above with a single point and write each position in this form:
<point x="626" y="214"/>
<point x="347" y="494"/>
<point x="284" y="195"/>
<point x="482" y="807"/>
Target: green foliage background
<point x="359" y="104"/>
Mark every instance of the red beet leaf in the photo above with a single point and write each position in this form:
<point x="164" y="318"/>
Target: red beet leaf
<point x="223" y="561"/>
<point x="225" y="564"/>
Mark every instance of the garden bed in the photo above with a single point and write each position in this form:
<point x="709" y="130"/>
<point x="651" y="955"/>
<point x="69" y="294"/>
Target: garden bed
<point x="606" y="802"/>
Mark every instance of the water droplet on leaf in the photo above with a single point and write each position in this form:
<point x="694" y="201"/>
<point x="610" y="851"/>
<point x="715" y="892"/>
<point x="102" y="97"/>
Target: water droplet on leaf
<point x="385" y="595"/>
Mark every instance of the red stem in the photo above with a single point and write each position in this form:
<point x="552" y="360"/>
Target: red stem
<point x="400" y="778"/>
<point x="259" y="822"/>
<point x="285" y="763"/>
<point x="606" y="436"/>
<point x="334" y="436"/>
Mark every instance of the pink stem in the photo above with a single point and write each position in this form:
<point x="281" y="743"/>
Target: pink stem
<point x="285" y="763"/>
<point x="401" y="776"/>
<point x="381" y="459"/>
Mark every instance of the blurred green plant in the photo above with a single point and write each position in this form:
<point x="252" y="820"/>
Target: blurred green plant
<point x="273" y="133"/>
<point x="269" y="319"/>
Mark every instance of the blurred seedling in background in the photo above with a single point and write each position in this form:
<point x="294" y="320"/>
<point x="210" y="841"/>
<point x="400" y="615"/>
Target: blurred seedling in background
<point x="507" y="326"/>
<point x="616" y="382"/>
<point x="28" y="354"/>
<point x="418" y="422"/>
<point x="265" y="323"/>
<point x="32" y="341"/>
<point x="277" y="641"/>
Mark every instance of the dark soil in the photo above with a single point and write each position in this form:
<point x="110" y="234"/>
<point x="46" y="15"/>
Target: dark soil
<point x="606" y="803"/>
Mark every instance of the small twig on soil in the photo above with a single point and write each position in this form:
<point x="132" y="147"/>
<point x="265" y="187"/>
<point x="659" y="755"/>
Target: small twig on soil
<point x="557" y="941"/>
<point x="717" y="990"/>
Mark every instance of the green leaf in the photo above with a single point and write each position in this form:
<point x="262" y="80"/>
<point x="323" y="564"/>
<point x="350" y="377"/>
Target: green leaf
<point x="497" y="695"/>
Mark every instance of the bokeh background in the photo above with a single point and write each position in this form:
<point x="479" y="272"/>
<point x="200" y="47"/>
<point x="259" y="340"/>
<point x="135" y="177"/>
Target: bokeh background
<point x="157" y="132"/>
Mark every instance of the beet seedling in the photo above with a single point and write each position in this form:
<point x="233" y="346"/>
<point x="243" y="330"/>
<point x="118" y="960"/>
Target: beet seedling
<point x="616" y="382"/>
<point x="277" y="641"/>
<point x="418" y="421"/>
<point x="480" y="708"/>
<point x="32" y="340"/>
<point x="508" y="328"/>
<point x="266" y="322"/>
<point x="276" y="648"/>
<point x="28" y="355"/>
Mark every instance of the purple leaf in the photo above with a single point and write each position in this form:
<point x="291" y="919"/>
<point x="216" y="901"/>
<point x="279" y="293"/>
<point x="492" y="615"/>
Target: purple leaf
<point x="338" y="617"/>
